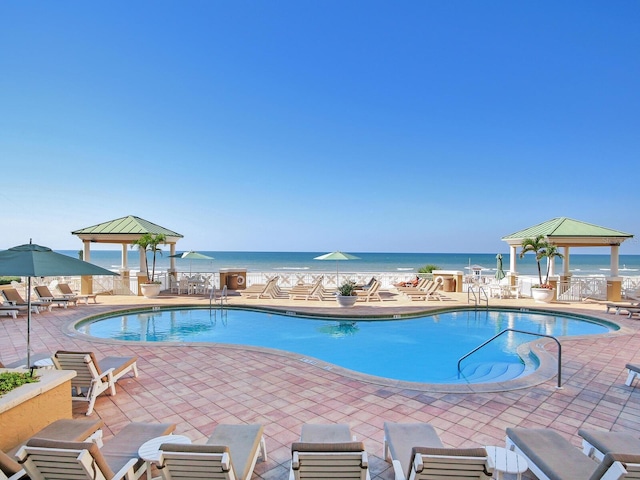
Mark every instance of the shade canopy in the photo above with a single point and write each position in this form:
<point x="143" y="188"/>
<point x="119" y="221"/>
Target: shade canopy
<point x="191" y="255"/>
<point x="337" y="256"/>
<point x="31" y="260"/>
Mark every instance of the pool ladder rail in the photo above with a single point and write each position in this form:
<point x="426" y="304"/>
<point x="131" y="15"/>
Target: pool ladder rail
<point x="480" y="297"/>
<point x="222" y="297"/>
<point x="527" y="333"/>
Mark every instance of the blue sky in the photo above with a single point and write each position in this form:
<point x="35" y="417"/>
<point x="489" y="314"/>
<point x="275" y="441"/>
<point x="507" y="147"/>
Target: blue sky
<point x="418" y="126"/>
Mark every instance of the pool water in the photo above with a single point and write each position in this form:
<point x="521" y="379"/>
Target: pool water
<point x="424" y="349"/>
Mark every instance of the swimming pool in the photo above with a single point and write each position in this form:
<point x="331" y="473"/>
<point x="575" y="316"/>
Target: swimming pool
<point x="422" y="349"/>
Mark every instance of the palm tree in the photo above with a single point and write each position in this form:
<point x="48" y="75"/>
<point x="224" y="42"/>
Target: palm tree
<point x="149" y="243"/>
<point x="550" y="252"/>
<point x="538" y="246"/>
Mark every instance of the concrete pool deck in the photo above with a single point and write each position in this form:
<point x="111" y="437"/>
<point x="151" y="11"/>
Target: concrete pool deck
<point x="199" y="386"/>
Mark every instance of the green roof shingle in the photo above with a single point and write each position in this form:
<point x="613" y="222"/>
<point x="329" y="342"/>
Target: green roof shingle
<point x="566" y="227"/>
<point x="129" y="225"/>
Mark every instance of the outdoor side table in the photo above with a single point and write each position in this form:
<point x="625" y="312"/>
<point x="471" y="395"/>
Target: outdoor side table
<point x="507" y="461"/>
<point x="149" y="451"/>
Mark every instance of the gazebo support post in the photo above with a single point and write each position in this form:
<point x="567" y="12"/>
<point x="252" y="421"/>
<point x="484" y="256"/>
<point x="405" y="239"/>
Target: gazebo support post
<point x="86" y="281"/>
<point x="614" y="282"/>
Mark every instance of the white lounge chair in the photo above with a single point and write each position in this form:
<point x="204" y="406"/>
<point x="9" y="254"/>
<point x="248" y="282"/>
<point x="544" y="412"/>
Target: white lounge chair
<point x="13" y="297"/>
<point x="45" y="459"/>
<point x="66" y="292"/>
<point x="231" y="453"/>
<point x="551" y="456"/>
<point x="416" y="452"/>
<point x="64" y="430"/>
<point x="633" y="371"/>
<point x="597" y="443"/>
<point x="93" y="377"/>
<point x="328" y="451"/>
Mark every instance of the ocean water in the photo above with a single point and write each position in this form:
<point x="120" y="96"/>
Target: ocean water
<point x="580" y="264"/>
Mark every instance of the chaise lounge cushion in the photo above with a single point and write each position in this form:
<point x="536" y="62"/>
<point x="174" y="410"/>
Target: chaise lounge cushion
<point x="243" y="441"/>
<point x="402" y="437"/>
<point x="612" y="442"/>
<point x="552" y="453"/>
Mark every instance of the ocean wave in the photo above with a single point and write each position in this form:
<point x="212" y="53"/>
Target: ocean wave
<point x="404" y="269"/>
<point x="292" y="268"/>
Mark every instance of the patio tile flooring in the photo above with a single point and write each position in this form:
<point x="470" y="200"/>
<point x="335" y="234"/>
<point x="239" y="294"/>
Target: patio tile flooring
<point x="200" y="386"/>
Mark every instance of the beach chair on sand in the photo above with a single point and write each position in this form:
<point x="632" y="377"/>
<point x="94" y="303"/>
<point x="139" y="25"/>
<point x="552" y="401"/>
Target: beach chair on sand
<point x="328" y="451"/>
<point x="45" y="295"/>
<point x="550" y="455"/>
<point x="416" y="452"/>
<point x="231" y="453"/>
<point x="66" y="292"/>
<point x="12" y="297"/>
<point x="93" y="377"/>
<point x="46" y="459"/>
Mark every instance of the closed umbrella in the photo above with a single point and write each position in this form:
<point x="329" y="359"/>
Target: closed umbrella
<point x="338" y="256"/>
<point x="499" y="271"/>
<point x="31" y="260"/>
<point x="191" y="255"/>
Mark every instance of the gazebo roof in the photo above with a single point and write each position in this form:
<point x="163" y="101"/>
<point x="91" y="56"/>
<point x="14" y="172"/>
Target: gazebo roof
<point x="124" y="229"/>
<point x="563" y="231"/>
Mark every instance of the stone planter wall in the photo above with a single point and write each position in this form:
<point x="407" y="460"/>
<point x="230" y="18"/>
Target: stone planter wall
<point x="31" y="407"/>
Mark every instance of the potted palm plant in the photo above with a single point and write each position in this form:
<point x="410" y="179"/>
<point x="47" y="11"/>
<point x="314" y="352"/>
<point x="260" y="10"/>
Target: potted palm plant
<point x="149" y="243"/>
<point x="347" y="296"/>
<point x="542" y="292"/>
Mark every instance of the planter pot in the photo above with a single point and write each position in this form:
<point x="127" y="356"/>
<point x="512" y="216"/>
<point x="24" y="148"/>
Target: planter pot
<point x="150" y="290"/>
<point x="542" y="295"/>
<point x="346" y="301"/>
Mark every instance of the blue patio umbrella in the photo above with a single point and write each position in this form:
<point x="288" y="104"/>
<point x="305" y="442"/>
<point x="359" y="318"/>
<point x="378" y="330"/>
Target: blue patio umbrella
<point x="31" y="260"/>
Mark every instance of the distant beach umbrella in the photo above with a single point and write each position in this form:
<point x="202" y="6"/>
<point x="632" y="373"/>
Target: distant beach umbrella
<point x="338" y="256"/>
<point x="31" y="260"/>
<point x="499" y="271"/>
<point x="191" y="255"/>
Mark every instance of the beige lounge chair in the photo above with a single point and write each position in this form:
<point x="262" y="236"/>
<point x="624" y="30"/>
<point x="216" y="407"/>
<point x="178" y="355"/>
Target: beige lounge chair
<point x="12" y="297"/>
<point x="416" y="452"/>
<point x="597" y="443"/>
<point x="93" y="377"/>
<point x="11" y="311"/>
<point x="551" y="456"/>
<point x="303" y="292"/>
<point x="45" y="459"/>
<point x="429" y="293"/>
<point x="258" y="289"/>
<point x="421" y="286"/>
<point x="231" y="453"/>
<point x="370" y="294"/>
<point x="65" y="291"/>
<point x="63" y="430"/>
<point x="328" y="451"/>
<point x="45" y="295"/>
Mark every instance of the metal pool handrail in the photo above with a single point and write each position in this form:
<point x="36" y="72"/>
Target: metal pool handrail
<point x="528" y="333"/>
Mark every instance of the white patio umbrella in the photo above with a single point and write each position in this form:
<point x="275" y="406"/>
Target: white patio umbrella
<point x="338" y="256"/>
<point x="31" y="260"/>
<point x="191" y="255"/>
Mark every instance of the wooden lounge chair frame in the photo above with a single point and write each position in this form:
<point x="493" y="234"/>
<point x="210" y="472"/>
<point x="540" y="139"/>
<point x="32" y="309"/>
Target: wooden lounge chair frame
<point x="231" y="453"/>
<point x="117" y="459"/>
<point x="328" y="451"/>
<point x="372" y="293"/>
<point x="416" y="452"/>
<point x="91" y="380"/>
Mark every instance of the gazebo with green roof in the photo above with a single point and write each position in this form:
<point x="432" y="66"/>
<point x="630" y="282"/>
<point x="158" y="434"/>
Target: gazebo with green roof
<point x="124" y="231"/>
<point x="566" y="233"/>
